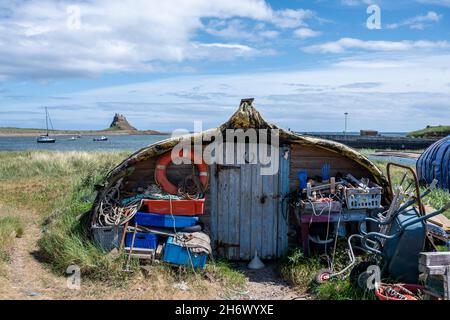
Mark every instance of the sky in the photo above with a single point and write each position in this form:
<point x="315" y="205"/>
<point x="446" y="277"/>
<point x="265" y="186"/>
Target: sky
<point x="166" y="64"/>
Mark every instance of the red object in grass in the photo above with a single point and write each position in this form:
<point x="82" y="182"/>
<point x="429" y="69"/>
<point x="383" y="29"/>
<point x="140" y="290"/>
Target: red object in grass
<point x="414" y="288"/>
<point x="176" y="207"/>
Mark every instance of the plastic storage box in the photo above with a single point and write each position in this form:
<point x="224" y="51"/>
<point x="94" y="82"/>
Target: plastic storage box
<point x="164" y="221"/>
<point x="176" y="254"/>
<point x="176" y="207"/>
<point x="142" y="240"/>
<point x="363" y="199"/>
<point x="107" y="238"/>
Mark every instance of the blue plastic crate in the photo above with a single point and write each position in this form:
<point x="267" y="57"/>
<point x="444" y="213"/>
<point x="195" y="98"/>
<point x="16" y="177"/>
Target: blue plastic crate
<point x="176" y="254"/>
<point x="142" y="240"/>
<point x="164" y="221"/>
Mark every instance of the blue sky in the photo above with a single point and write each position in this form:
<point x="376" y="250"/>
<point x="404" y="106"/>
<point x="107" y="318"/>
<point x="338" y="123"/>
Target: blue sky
<point x="165" y="64"/>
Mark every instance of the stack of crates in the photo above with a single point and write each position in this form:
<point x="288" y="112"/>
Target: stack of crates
<point x="173" y="215"/>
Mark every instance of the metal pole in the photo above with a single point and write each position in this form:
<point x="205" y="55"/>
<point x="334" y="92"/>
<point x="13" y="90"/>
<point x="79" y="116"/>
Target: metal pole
<point x="345" y="130"/>
<point x="46" y="119"/>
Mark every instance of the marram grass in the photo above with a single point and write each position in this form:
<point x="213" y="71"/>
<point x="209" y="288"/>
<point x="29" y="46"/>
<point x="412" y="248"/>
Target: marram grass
<point x="59" y="188"/>
<point x="10" y="228"/>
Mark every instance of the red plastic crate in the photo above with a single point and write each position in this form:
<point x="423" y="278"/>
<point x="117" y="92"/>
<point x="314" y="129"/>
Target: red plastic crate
<point x="179" y="207"/>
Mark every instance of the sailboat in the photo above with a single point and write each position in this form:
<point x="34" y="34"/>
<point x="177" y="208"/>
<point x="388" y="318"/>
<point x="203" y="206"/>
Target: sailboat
<point x="46" y="138"/>
<point x="102" y="138"/>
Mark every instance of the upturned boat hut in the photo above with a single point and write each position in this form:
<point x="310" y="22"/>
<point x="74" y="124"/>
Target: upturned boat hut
<point x="245" y="211"/>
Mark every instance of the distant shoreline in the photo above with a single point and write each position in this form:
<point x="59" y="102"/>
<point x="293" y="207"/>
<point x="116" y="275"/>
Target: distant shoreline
<point x="17" y="132"/>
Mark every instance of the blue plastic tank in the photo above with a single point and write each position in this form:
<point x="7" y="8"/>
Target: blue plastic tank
<point x="434" y="163"/>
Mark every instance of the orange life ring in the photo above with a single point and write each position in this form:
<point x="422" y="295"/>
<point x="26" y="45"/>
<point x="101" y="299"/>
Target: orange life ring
<point x="166" y="159"/>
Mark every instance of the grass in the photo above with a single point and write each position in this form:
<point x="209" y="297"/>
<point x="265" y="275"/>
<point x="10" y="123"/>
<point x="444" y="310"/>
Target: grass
<point x="438" y="198"/>
<point x="56" y="188"/>
<point x="300" y="270"/>
<point x="224" y="272"/>
<point x="65" y="241"/>
<point x="341" y="290"/>
<point x="10" y="228"/>
<point x="366" y="151"/>
<point x="36" y="181"/>
<point x="437" y="131"/>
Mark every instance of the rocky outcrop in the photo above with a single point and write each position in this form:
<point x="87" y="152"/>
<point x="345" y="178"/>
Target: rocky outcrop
<point x="121" y="123"/>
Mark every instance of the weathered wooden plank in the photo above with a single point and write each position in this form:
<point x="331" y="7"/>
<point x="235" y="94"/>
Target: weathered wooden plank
<point x="242" y="218"/>
<point x="285" y="220"/>
<point x="145" y="179"/>
<point x="333" y="172"/>
<point x="225" y="213"/>
<point x="283" y="177"/>
<point x="432" y="270"/>
<point x="147" y="164"/>
<point x="316" y="163"/>
<point x="276" y="212"/>
<point x="447" y="284"/>
<point x="213" y="200"/>
<point x="220" y="210"/>
<point x="434" y="258"/>
<point x="299" y="150"/>
<point x="268" y="211"/>
<point x="233" y="212"/>
<point x="256" y="211"/>
<point x="312" y="159"/>
<point x="439" y="220"/>
<point x="245" y="212"/>
<point x="316" y="169"/>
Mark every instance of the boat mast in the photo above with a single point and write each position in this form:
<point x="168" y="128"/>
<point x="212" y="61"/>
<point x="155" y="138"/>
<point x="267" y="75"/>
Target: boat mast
<point x="46" y="119"/>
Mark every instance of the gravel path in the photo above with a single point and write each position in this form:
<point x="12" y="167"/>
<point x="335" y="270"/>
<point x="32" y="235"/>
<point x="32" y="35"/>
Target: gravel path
<point x="267" y="284"/>
<point x="29" y="278"/>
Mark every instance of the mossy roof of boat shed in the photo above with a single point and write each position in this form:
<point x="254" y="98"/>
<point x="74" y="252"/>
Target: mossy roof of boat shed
<point x="247" y="117"/>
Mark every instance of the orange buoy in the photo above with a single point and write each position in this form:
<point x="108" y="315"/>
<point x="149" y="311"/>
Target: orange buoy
<point x="166" y="159"/>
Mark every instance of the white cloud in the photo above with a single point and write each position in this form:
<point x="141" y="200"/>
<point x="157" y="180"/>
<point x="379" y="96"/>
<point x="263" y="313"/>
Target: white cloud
<point x="353" y="3"/>
<point x="269" y="34"/>
<point x="234" y="29"/>
<point x="377" y="64"/>
<point x="304" y="33"/>
<point x="445" y="3"/>
<point x="238" y="47"/>
<point x="418" y="22"/>
<point x="369" y="86"/>
<point x="290" y="18"/>
<point x="120" y="36"/>
<point x="237" y="29"/>
<point x="223" y="51"/>
<point x="345" y="44"/>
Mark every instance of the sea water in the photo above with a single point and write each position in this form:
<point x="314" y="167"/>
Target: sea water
<point x="115" y="143"/>
<point x="85" y="143"/>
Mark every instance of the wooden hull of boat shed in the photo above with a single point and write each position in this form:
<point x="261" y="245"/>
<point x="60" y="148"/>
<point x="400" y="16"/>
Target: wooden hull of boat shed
<point x="244" y="210"/>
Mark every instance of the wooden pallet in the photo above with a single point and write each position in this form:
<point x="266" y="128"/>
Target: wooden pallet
<point x="140" y="253"/>
<point x="436" y="266"/>
<point x="439" y="220"/>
